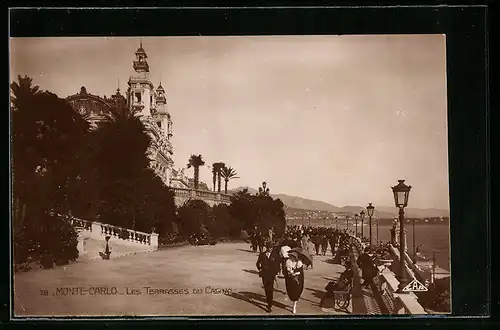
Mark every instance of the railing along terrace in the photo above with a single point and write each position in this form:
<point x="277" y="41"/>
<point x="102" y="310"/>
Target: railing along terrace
<point x="393" y="302"/>
<point x="202" y="194"/>
<point x="126" y="234"/>
<point x="85" y="224"/>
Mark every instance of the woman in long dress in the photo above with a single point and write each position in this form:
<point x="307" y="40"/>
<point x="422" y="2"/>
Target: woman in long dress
<point x="294" y="278"/>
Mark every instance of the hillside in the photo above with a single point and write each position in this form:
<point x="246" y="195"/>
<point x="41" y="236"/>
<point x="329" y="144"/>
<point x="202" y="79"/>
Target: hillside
<point x="380" y="211"/>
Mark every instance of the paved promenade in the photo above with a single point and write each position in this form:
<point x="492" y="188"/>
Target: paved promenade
<point x="188" y="280"/>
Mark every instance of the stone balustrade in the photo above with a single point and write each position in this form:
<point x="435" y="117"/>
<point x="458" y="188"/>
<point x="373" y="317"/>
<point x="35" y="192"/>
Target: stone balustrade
<point x="211" y="197"/>
<point x="387" y="285"/>
<point x="98" y="230"/>
<point x="396" y="303"/>
<point x="408" y="263"/>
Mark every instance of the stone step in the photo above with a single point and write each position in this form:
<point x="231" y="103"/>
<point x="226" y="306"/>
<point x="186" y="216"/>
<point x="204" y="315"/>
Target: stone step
<point x="92" y="247"/>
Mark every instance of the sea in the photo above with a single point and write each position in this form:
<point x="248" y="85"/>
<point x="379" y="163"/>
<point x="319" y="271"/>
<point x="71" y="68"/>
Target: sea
<point x="430" y="238"/>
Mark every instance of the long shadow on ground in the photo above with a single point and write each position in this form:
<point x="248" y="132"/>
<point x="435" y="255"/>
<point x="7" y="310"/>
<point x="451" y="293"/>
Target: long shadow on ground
<point x="314" y="303"/>
<point x="251" y="271"/>
<point x="256" y="299"/>
<point x="317" y="293"/>
<point x="331" y="261"/>
<point x="244" y="250"/>
<point x="248" y="299"/>
<point x="328" y="301"/>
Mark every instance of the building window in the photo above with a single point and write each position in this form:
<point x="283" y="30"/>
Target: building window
<point x="138" y="97"/>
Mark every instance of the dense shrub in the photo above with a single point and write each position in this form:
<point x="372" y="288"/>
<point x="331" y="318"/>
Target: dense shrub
<point x="47" y="239"/>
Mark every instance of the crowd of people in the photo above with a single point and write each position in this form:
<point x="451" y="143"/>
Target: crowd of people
<point x="288" y="256"/>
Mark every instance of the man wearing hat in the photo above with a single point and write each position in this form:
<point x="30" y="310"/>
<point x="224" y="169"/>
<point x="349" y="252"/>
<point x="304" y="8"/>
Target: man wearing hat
<point x="268" y="265"/>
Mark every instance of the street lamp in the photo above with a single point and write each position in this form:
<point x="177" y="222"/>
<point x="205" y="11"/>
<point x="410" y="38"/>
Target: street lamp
<point x="413" y="239"/>
<point x="263" y="190"/>
<point x="347" y="222"/>
<point x="336" y="223"/>
<point x="401" y="192"/>
<point x="378" y="239"/>
<point x="356" y="222"/>
<point x="362" y="215"/>
<point x="370" y="209"/>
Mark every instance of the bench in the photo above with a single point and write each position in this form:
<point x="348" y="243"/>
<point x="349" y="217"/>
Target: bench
<point x="341" y="299"/>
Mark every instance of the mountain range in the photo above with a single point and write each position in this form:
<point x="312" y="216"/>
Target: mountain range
<point x="380" y="211"/>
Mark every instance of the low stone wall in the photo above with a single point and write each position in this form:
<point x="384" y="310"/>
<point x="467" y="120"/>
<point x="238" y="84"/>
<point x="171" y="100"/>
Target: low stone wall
<point x="212" y="198"/>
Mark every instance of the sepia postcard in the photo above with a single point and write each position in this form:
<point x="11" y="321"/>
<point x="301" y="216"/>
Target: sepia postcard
<point x="229" y="176"/>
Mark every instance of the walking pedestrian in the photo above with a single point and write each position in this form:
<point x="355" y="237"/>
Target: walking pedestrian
<point x="324" y="243"/>
<point x="294" y="279"/>
<point x="367" y="266"/>
<point x="268" y="267"/>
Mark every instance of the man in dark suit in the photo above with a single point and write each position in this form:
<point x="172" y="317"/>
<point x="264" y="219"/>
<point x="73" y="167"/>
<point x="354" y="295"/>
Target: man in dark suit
<point x="268" y="265"/>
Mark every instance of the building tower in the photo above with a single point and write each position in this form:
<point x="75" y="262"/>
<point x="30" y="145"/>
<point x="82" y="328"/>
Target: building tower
<point x="140" y="91"/>
<point x="163" y="118"/>
<point x="151" y="108"/>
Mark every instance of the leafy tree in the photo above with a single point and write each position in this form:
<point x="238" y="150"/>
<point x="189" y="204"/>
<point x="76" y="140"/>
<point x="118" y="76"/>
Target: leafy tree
<point x="130" y="194"/>
<point x="242" y="208"/>
<point x="48" y="141"/>
<point x="194" y="215"/>
<point x="259" y="210"/>
<point x="225" y="224"/>
<point x="195" y="161"/>
<point x="228" y="173"/>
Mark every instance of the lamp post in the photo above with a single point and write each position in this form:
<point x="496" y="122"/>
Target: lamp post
<point x="356" y="223"/>
<point x="362" y="215"/>
<point x="401" y="192"/>
<point x="336" y="223"/>
<point x="378" y="239"/>
<point x="263" y="191"/>
<point x="347" y="223"/>
<point x="370" y="209"/>
<point x="413" y="239"/>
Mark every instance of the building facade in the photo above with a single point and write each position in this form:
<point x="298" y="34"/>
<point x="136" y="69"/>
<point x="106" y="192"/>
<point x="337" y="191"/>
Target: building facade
<point x="146" y="102"/>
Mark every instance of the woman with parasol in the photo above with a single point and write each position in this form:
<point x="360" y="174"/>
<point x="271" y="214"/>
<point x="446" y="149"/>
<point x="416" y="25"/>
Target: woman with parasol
<point x="294" y="278"/>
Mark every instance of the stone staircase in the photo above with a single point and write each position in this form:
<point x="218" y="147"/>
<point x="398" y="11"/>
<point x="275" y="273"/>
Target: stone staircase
<point x="92" y="247"/>
<point x="122" y="241"/>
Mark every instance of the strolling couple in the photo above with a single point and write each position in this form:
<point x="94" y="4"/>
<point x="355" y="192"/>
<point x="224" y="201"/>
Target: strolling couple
<point x="269" y="263"/>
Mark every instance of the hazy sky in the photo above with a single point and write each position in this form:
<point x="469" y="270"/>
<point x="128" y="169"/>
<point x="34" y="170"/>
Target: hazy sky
<point x="333" y="118"/>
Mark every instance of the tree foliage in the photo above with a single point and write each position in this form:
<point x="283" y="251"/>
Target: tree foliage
<point x="259" y="210"/>
<point x="129" y="193"/>
<point x="228" y="173"/>
<point x="48" y="141"/>
<point x="195" y="161"/>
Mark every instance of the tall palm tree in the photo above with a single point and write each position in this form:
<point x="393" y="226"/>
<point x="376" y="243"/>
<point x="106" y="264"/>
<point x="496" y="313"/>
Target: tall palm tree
<point x="215" y="172"/>
<point x="217" y="169"/>
<point x="196" y="161"/>
<point x="22" y="91"/>
<point x="228" y="173"/>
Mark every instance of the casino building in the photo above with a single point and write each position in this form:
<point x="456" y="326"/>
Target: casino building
<point x="148" y="103"/>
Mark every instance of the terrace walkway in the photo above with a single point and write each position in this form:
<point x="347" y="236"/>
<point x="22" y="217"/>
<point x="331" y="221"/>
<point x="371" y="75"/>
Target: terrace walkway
<point x="120" y="286"/>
